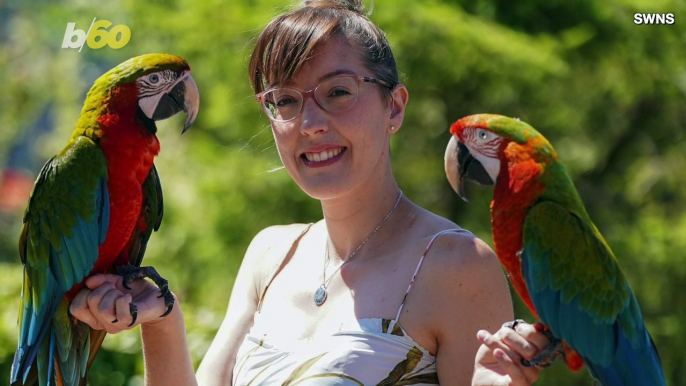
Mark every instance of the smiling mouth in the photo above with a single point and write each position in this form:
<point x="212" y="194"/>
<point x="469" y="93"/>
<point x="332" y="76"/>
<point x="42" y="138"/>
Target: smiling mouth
<point x="323" y="155"/>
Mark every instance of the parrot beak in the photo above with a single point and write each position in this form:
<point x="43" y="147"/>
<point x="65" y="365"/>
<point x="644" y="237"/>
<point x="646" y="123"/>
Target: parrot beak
<point x="459" y="163"/>
<point x="451" y="168"/>
<point x="183" y="96"/>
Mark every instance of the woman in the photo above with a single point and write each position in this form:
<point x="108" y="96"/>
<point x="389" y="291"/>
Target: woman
<point x="377" y="290"/>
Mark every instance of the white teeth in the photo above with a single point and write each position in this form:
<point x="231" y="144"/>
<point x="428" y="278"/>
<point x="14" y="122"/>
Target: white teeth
<point x="322" y="156"/>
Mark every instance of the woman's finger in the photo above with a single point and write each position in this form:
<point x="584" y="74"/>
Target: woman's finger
<point x="96" y="281"/>
<point x="107" y="304"/>
<point x="95" y="303"/>
<point x="514" y="346"/>
<point x="519" y="375"/>
<point x="494" y="341"/>
<point x="123" y="310"/>
<point x="533" y="334"/>
<point x="80" y="310"/>
<point x="519" y="343"/>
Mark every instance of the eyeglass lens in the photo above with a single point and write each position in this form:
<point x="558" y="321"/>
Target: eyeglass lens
<point x="335" y="94"/>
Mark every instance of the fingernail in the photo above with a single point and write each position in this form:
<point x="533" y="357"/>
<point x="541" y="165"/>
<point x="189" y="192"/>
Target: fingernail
<point x="482" y="335"/>
<point x="499" y="354"/>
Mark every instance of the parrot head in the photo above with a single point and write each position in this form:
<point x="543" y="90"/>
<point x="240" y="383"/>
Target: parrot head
<point x="480" y="147"/>
<point x="157" y="85"/>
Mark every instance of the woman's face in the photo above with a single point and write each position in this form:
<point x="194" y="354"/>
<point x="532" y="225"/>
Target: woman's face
<point x="326" y="153"/>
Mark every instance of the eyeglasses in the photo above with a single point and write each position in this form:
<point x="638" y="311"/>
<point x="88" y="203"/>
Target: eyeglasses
<point x="282" y="104"/>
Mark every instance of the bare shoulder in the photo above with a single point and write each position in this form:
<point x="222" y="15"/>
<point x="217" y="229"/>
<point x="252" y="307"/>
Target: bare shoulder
<point x="274" y="236"/>
<point x="468" y="273"/>
<point x="462" y="271"/>
<point x="457" y="253"/>
<point x="264" y="255"/>
<point x="463" y="255"/>
<point x="269" y="247"/>
<point x="464" y="291"/>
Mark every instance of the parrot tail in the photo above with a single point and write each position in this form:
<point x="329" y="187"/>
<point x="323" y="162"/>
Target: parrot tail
<point x="631" y="366"/>
<point x="63" y="356"/>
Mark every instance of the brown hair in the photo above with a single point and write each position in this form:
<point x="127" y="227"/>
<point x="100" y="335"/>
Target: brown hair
<point x="288" y="41"/>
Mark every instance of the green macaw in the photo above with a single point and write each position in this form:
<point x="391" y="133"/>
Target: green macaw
<point x="92" y="210"/>
<point x="555" y="257"/>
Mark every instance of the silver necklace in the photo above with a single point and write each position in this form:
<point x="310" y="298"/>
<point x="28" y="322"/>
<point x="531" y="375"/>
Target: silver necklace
<point x="320" y="294"/>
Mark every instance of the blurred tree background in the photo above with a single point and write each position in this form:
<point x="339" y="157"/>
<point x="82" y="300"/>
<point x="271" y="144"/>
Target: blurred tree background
<point x="609" y="94"/>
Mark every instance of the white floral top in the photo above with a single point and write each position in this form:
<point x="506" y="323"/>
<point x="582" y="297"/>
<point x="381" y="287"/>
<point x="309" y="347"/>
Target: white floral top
<point x="372" y="351"/>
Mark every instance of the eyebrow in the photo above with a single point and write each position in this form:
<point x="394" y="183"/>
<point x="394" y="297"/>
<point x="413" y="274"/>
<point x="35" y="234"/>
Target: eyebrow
<point x="335" y="73"/>
<point x="322" y="78"/>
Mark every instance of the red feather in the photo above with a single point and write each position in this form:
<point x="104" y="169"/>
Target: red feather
<point x="129" y="150"/>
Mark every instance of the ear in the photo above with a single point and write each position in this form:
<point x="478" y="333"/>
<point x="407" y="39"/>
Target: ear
<point x="398" y="101"/>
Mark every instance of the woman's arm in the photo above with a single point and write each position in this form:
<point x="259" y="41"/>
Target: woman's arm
<point x="475" y="296"/>
<point x="166" y="355"/>
<point x="263" y="257"/>
<point x="476" y="299"/>
<point x="498" y="361"/>
<point x="104" y="304"/>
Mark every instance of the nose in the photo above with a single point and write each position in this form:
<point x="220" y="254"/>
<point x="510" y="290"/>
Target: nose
<point x="313" y="118"/>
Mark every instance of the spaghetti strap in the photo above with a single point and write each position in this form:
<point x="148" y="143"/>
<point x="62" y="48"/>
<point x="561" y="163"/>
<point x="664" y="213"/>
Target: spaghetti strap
<point x="421" y="260"/>
<point x="278" y="267"/>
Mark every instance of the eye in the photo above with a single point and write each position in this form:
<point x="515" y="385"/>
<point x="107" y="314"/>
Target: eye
<point x="154" y="78"/>
<point x="285" y="101"/>
<point x="482" y="134"/>
<point x="339" y="92"/>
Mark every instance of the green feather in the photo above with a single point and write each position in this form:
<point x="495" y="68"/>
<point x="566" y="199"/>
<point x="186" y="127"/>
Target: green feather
<point x="97" y="100"/>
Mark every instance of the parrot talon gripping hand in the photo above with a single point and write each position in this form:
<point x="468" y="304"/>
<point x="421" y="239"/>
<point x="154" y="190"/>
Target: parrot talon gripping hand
<point x="555" y="257"/>
<point x="131" y="273"/>
<point x="549" y="353"/>
<point x="547" y="356"/>
<point x="133" y="309"/>
<point x="93" y="208"/>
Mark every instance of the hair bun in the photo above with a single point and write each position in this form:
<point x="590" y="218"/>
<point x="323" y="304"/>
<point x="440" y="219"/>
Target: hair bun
<point x="351" y="5"/>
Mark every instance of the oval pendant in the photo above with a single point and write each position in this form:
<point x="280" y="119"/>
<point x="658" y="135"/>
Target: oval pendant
<point x="319" y="296"/>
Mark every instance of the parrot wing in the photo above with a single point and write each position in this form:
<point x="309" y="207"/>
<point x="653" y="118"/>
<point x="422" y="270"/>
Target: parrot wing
<point x="574" y="281"/>
<point x="65" y="223"/>
<point x="150" y="218"/>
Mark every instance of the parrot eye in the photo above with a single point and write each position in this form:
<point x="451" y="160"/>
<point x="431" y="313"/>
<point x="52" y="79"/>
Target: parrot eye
<point x="154" y="78"/>
<point x="482" y="134"/>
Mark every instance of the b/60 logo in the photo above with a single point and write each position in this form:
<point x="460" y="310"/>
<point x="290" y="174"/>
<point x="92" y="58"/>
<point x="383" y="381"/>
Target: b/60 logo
<point x="97" y="35"/>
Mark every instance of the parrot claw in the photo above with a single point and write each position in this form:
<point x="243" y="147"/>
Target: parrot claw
<point x="131" y="273"/>
<point x="548" y="355"/>
<point x="168" y="299"/>
<point x="513" y="324"/>
<point x="164" y="289"/>
<point x="134" y="313"/>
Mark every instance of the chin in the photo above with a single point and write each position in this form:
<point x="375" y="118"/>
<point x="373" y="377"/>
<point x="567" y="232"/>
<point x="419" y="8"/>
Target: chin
<point x="323" y="188"/>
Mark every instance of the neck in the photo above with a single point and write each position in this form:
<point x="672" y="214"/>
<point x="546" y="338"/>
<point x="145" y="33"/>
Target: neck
<point x="352" y="217"/>
<point x="107" y="111"/>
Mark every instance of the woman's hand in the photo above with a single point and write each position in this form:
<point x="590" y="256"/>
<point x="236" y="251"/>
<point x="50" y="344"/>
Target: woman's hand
<point x="498" y="361"/>
<point x="104" y="304"/>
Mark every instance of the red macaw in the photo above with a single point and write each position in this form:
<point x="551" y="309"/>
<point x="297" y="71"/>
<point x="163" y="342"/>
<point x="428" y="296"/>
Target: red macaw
<point x="92" y="210"/>
<point x="555" y="257"/>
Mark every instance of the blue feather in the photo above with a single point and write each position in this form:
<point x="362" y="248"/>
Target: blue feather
<point x="581" y="295"/>
<point x="56" y="261"/>
<point x="632" y="366"/>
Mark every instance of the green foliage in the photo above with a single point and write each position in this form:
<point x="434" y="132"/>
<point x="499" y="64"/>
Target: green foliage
<point x="607" y="93"/>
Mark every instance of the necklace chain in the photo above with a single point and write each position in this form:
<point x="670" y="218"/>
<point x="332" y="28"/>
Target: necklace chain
<point x="326" y="282"/>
